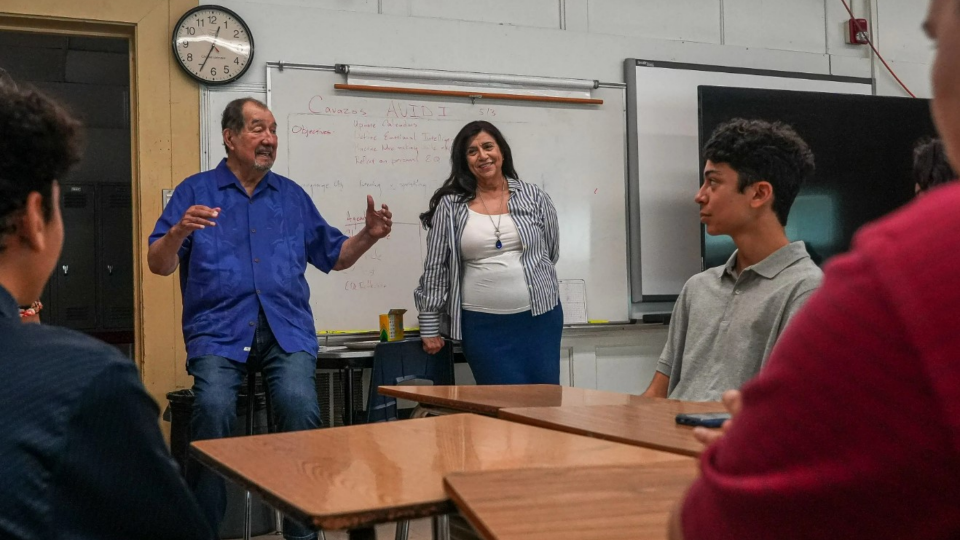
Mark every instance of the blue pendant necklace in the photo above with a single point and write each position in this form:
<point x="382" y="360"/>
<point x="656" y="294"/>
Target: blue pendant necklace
<point x="496" y="226"/>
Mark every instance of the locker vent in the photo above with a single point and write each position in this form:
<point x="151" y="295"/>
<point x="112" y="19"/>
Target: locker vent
<point x="73" y="199"/>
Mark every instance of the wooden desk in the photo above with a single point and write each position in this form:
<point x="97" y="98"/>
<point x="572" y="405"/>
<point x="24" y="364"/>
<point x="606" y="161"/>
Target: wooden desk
<point x="650" y="423"/>
<point x="613" y="503"/>
<point x="357" y="476"/>
<point x="488" y="400"/>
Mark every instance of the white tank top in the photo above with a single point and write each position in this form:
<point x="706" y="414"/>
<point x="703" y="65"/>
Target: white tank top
<point x="493" y="280"/>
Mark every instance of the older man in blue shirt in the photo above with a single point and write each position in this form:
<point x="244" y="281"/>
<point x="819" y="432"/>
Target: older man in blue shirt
<point x="242" y="236"/>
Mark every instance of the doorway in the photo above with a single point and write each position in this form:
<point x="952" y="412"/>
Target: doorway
<point x="92" y="288"/>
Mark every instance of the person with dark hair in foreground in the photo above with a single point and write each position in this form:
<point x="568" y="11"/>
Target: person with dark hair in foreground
<point x="242" y="236"/>
<point x="852" y="429"/>
<point x="930" y="166"/>
<point x="727" y="319"/>
<point x="81" y="455"/>
<point x="29" y="313"/>
<point x="489" y="273"/>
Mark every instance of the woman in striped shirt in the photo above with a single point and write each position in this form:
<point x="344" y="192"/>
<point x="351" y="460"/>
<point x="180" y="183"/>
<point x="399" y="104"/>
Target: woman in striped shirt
<point x="489" y="275"/>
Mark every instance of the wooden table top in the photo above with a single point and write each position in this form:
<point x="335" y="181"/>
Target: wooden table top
<point x="613" y="503"/>
<point x="650" y="423"/>
<point x="357" y="476"/>
<point x="490" y="399"/>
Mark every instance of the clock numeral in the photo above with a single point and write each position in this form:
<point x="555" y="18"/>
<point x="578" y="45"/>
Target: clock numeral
<point x="200" y="22"/>
<point x="213" y="71"/>
<point x="236" y="33"/>
<point x="236" y="61"/>
<point x="192" y="31"/>
<point x="189" y="57"/>
<point x="212" y="19"/>
<point x="226" y="23"/>
<point x="185" y="43"/>
<point x="226" y="70"/>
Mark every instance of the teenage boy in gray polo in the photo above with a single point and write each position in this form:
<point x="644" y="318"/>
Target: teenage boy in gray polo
<point x="728" y="318"/>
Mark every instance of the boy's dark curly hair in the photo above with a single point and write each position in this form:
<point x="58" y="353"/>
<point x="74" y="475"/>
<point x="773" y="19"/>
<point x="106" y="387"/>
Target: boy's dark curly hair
<point x="930" y="165"/>
<point x="40" y="142"/>
<point x="763" y="151"/>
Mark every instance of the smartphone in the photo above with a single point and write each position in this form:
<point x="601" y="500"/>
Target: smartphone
<point x="710" y="420"/>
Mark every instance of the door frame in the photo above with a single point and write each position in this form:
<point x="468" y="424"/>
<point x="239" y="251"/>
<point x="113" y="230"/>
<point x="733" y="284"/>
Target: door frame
<point x="165" y="148"/>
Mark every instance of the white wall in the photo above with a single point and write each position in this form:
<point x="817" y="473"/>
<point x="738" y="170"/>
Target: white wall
<point x="590" y="39"/>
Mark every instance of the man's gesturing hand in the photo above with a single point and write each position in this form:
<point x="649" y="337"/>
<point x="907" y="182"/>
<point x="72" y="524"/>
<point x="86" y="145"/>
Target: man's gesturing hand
<point x="196" y="217"/>
<point x="379" y="222"/>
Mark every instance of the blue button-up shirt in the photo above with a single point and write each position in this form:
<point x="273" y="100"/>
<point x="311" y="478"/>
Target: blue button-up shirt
<point x="255" y="257"/>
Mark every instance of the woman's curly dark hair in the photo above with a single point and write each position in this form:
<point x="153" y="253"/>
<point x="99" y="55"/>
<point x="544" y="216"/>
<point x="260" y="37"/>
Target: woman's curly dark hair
<point x="40" y="142"/>
<point x="763" y="151"/>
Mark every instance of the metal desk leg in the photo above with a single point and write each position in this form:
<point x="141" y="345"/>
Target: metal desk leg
<point x="251" y="412"/>
<point x="403" y="530"/>
<point x="247" y="507"/>
<point x="441" y="527"/>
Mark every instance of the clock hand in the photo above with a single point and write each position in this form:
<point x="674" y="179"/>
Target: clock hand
<point x="212" y="45"/>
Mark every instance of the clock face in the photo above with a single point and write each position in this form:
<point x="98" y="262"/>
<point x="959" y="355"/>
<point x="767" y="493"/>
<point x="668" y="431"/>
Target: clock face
<point x="213" y="44"/>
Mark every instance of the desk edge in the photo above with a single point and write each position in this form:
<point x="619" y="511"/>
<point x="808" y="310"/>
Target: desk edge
<point x="337" y="521"/>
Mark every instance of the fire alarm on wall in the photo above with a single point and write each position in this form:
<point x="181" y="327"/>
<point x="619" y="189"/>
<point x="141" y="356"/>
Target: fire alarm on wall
<point x="857" y="33"/>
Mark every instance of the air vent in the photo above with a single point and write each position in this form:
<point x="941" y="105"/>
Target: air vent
<point x="119" y="199"/>
<point x="329" y="386"/>
<point x="78" y="313"/>
<point x="73" y="199"/>
<point x="120" y="315"/>
<point x="323" y="396"/>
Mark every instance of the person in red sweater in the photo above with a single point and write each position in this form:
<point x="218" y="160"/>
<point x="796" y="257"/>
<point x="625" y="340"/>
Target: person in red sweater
<point x="853" y="429"/>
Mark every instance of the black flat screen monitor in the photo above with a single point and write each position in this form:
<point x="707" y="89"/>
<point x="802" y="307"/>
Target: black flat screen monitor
<point x="863" y="147"/>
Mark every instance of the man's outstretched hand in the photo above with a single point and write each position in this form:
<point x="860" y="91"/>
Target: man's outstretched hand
<point x="378" y="222"/>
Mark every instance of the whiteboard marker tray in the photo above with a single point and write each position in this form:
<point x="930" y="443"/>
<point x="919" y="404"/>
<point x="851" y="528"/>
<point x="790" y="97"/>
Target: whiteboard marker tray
<point x="361" y="345"/>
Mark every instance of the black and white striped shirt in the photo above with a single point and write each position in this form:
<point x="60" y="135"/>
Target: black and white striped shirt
<point x="438" y="295"/>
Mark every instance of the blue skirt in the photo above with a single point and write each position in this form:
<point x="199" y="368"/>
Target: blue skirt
<point x="513" y="349"/>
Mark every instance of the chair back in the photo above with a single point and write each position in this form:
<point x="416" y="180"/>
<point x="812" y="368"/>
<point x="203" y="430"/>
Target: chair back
<point x="399" y="361"/>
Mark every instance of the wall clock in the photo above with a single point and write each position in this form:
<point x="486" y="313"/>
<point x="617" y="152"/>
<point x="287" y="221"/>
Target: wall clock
<point x="213" y="44"/>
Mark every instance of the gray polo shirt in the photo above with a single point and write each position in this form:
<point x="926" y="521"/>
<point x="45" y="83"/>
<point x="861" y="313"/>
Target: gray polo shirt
<point x="724" y="326"/>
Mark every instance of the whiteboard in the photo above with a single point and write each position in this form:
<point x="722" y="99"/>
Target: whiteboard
<point x="342" y="145"/>
<point x="663" y="133"/>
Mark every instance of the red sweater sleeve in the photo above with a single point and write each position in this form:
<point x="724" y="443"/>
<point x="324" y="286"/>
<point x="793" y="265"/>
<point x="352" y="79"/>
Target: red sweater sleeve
<point x="846" y="433"/>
